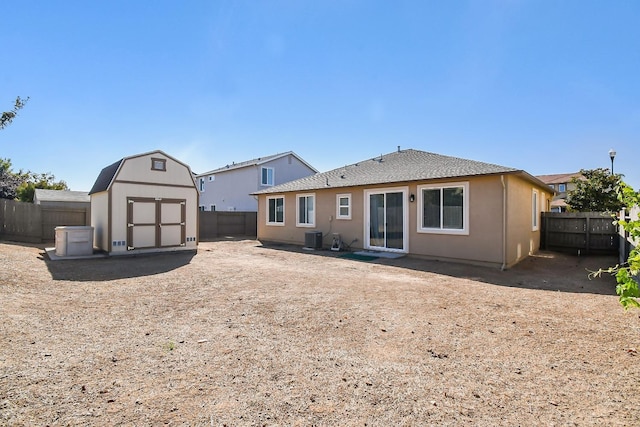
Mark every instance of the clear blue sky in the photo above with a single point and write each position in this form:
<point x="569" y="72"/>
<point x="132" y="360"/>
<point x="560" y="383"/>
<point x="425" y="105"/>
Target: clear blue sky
<point x="543" y="85"/>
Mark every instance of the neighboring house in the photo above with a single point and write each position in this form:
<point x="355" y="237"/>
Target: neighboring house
<point x="412" y="202"/>
<point x="145" y="203"/>
<point x="62" y="198"/>
<point x="561" y="184"/>
<point x="62" y="208"/>
<point x="228" y="188"/>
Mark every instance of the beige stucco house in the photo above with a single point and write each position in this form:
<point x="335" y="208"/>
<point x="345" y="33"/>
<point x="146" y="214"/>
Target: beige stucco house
<point x="412" y="202"/>
<point x="145" y="203"/>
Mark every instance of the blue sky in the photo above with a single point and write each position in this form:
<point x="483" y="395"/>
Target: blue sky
<point x="545" y="86"/>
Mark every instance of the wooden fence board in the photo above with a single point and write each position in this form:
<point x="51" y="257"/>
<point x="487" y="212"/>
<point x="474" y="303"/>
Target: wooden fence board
<point x="28" y="222"/>
<point x="581" y="232"/>
<point x="213" y="224"/>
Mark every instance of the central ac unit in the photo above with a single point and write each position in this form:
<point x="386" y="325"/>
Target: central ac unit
<point x="313" y="239"/>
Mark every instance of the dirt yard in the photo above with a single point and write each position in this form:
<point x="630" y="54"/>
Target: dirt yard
<point x="242" y="334"/>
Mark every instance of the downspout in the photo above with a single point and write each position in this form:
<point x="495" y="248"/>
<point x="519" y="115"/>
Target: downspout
<point x="504" y="224"/>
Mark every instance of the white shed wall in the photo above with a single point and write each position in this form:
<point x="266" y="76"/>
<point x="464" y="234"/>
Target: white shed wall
<point x="100" y="220"/>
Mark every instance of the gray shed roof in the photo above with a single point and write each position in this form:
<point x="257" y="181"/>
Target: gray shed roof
<point x="398" y="166"/>
<point x="105" y="177"/>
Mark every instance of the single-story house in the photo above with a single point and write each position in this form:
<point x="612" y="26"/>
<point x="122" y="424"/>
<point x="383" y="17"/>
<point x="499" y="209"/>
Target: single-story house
<point x="145" y="203"/>
<point x="412" y="202"/>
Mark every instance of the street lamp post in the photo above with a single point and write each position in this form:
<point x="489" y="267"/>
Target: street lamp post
<point x="612" y="154"/>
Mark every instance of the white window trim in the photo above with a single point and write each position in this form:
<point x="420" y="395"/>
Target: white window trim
<point x="273" y="176"/>
<point x="341" y="196"/>
<point x="464" y="231"/>
<point x="201" y="185"/>
<point x="535" y="209"/>
<point x="562" y="188"/>
<point x="278" y="224"/>
<point x="313" y="211"/>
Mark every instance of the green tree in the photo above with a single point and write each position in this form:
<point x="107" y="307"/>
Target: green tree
<point x="10" y="180"/>
<point x="27" y="189"/>
<point x="628" y="273"/>
<point x="7" y="117"/>
<point x="595" y="192"/>
<point x="22" y="185"/>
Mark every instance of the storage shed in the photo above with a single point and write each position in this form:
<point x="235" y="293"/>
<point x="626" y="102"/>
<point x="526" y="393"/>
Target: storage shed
<point x="145" y="203"/>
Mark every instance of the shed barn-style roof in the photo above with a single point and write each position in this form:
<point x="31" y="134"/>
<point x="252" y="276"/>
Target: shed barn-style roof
<point x="398" y="166"/>
<point x="107" y="174"/>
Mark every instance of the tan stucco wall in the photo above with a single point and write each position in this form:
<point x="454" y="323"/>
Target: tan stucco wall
<point x="522" y="240"/>
<point x="483" y="244"/>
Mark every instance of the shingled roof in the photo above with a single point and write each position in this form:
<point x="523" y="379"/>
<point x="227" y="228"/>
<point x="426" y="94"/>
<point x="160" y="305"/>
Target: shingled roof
<point x="43" y="195"/>
<point x="105" y="177"/>
<point x="398" y="166"/>
<point x="255" y="162"/>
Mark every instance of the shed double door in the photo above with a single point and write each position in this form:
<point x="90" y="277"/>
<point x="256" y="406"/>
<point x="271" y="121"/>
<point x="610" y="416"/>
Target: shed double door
<point x="155" y="223"/>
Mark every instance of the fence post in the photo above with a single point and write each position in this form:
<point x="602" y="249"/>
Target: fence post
<point x="588" y="234"/>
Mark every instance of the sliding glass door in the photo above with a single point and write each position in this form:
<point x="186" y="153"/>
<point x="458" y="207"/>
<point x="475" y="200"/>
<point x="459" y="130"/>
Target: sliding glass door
<point x="386" y="219"/>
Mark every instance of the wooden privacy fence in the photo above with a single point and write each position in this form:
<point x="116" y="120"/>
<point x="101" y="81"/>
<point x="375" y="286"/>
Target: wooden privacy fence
<point x="27" y="222"/>
<point x="579" y="232"/>
<point x="31" y="223"/>
<point x="219" y="223"/>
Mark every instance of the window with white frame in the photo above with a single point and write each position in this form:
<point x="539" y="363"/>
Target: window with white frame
<point x="267" y="176"/>
<point x="535" y="210"/>
<point x="201" y="185"/>
<point x="562" y="188"/>
<point x="306" y="213"/>
<point x="343" y="206"/>
<point x="275" y="210"/>
<point x="443" y="208"/>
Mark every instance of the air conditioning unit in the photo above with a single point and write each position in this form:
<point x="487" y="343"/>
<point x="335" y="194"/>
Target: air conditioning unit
<point x="313" y="240"/>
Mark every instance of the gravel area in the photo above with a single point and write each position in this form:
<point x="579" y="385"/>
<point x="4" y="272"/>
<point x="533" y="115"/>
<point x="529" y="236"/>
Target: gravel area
<point x="245" y="334"/>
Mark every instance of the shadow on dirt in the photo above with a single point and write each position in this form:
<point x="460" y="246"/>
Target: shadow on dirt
<point x="117" y="267"/>
<point x="548" y="271"/>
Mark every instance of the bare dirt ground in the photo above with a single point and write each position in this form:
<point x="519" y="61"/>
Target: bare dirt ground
<point x="242" y="334"/>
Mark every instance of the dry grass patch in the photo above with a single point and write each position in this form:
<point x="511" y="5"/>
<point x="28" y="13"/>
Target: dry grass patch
<point x="241" y="334"/>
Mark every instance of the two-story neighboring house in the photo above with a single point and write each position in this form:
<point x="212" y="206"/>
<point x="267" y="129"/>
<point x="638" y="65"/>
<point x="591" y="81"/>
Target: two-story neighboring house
<point x="561" y="184"/>
<point x="228" y="188"/>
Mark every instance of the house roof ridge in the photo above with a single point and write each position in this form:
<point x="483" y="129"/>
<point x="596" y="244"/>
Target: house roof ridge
<point x="397" y="166"/>
<point x="254" y="162"/>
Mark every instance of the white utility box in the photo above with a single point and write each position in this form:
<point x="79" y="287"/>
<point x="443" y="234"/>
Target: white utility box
<point x="74" y="241"/>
